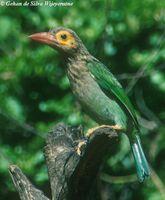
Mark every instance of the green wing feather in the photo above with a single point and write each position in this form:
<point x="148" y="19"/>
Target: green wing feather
<point x="109" y="84"/>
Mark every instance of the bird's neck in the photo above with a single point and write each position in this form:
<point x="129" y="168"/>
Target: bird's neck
<point x="76" y="67"/>
<point x="79" y="54"/>
<point x="76" y="62"/>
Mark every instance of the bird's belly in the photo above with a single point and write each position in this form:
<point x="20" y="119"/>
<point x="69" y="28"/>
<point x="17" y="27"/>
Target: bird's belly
<point x="98" y="106"/>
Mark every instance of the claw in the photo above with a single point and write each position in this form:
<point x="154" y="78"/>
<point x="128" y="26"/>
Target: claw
<point x="80" y="144"/>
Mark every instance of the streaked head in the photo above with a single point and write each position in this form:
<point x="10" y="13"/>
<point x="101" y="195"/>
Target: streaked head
<point x="62" y="39"/>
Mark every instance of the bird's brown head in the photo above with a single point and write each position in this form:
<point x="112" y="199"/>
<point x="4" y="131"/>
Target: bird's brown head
<point x="62" y="39"/>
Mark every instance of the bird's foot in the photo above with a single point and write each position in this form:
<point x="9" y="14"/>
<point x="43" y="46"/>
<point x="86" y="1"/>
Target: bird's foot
<point x="80" y="146"/>
<point x="92" y="130"/>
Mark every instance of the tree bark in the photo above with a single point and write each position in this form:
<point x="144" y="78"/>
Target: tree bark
<point x="73" y="161"/>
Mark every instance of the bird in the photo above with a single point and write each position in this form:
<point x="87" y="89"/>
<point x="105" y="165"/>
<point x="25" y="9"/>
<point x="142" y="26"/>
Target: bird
<point x="97" y="90"/>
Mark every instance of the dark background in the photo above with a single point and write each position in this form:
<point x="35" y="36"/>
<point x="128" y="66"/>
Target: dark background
<point x="125" y="35"/>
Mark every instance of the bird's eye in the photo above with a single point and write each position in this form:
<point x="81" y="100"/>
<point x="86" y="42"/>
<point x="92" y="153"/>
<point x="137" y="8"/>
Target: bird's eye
<point x="63" y="36"/>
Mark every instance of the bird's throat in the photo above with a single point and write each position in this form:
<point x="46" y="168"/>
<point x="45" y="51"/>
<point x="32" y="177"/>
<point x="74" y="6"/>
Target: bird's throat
<point x="76" y="68"/>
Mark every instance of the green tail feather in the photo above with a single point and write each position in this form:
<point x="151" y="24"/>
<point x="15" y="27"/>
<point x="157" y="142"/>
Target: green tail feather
<point x="141" y="163"/>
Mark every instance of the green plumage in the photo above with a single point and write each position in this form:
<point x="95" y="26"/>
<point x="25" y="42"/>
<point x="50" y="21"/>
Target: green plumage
<point x="109" y="84"/>
<point x="97" y="90"/>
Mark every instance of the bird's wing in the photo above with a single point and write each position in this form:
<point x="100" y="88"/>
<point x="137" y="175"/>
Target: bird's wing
<point x="109" y="84"/>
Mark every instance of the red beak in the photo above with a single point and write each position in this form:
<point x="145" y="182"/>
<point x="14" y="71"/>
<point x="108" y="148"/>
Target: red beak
<point x="44" y="37"/>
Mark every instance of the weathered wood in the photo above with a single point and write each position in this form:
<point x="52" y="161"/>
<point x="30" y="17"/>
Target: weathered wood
<point x="25" y="189"/>
<point x="85" y="177"/>
<point x="73" y="162"/>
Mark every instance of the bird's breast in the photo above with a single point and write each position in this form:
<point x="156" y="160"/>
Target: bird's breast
<point x="82" y="83"/>
<point x="92" y="99"/>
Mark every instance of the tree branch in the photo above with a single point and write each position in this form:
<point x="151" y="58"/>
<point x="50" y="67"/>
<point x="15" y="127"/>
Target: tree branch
<point x="73" y="162"/>
<point x="25" y="189"/>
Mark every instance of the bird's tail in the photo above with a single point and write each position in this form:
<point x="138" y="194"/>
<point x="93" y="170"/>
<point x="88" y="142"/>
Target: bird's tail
<point x="141" y="163"/>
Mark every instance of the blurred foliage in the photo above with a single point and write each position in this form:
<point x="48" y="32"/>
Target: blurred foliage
<point x="126" y="35"/>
